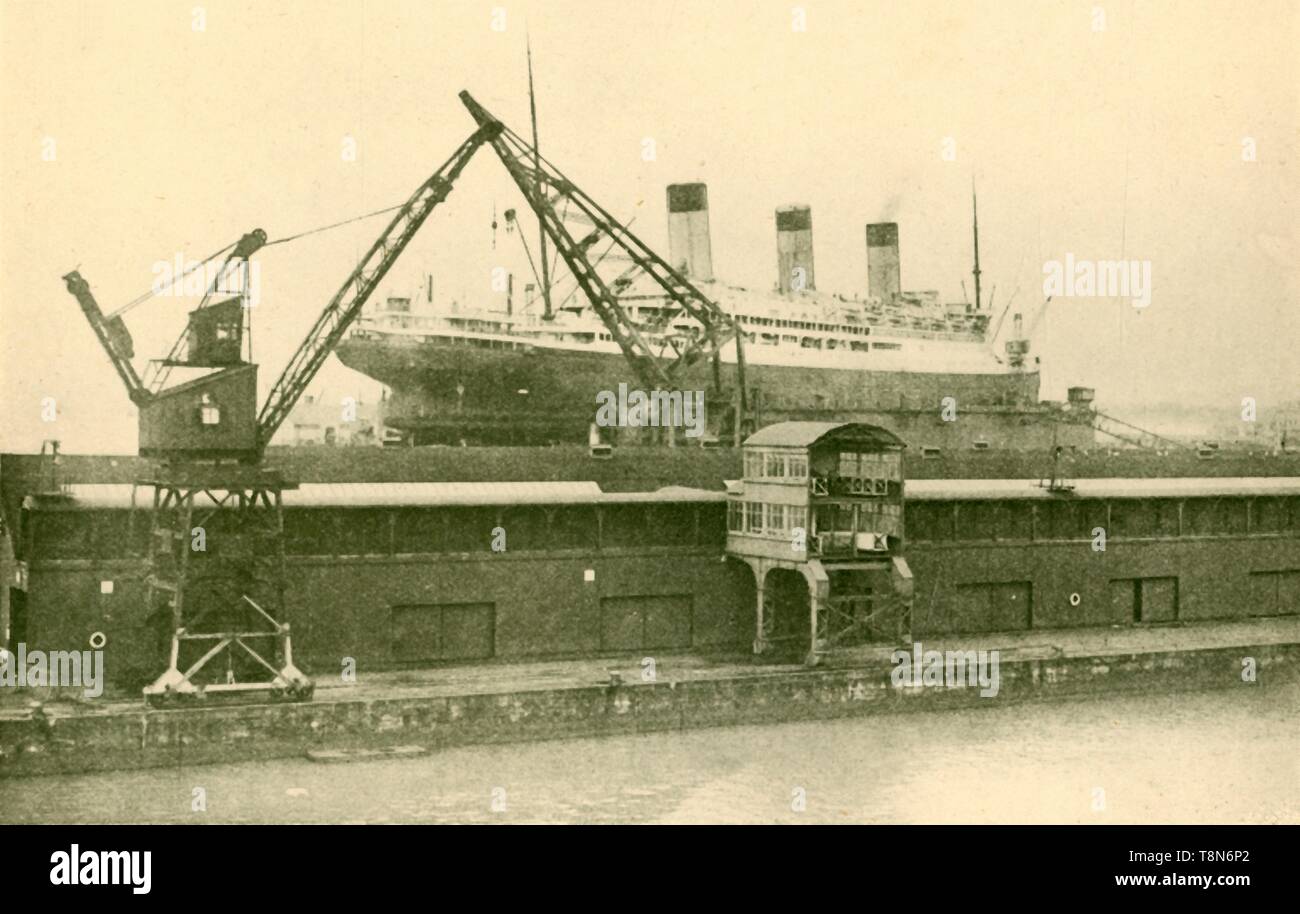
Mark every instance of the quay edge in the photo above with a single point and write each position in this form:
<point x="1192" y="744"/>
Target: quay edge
<point x="126" y="736"/>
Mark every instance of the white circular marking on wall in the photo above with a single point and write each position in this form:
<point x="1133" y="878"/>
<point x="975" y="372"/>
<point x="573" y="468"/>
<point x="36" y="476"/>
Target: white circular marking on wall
<point x="101" y="638"/>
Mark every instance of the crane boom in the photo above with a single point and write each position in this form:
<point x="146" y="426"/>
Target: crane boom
<point x="347" y="303"/>
<point x="543" y="186"/>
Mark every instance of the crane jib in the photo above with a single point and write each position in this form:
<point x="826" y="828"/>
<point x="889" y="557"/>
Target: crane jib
<point x="348" y="302"/>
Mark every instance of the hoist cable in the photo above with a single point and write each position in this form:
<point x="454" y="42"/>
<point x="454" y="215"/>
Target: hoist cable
<point x="326" y="228"/>
<point x="159" y="290"/>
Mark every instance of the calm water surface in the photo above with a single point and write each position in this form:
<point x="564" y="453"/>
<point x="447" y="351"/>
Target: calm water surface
<point x="1229" y="756"/>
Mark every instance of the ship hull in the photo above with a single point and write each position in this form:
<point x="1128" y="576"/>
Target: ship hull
<point x="450" y="390"/>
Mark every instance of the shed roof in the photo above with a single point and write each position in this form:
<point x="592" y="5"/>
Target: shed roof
<point x="1165" y="487"/>
<point x="82" y="497"/>
<point x="394" y="494"/>
<point x="806" y="434"/>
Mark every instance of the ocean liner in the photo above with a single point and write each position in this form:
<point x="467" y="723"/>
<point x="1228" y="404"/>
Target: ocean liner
<point x="890" y="357"/>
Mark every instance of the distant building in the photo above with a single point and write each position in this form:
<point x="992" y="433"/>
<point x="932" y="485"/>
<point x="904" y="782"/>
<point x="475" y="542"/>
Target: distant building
<point x="334" y="420"/>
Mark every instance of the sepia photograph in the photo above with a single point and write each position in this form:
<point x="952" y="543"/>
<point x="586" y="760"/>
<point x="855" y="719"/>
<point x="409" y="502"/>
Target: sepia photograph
<point x="581" y="412"/>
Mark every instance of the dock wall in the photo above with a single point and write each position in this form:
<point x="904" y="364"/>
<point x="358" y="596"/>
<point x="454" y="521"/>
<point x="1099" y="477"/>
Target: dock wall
<point x="127" y="736"/>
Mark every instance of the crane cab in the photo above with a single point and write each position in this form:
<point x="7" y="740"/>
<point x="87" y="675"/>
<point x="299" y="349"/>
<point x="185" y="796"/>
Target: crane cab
<point x="211" y="416"/>
<point x="209" y="410"/>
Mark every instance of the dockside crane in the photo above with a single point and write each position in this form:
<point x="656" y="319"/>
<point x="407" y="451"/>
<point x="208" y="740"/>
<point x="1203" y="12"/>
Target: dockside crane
<point x="172" y="429"/>
<point x="215" y="581"/>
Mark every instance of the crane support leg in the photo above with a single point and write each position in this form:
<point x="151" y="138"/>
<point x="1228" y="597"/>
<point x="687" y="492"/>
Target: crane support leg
<point x="215" y="587"/>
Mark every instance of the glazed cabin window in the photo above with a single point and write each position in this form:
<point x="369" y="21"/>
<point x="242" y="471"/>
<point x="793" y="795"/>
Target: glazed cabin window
<point x="774" y="465"/>
<point x="753" y="466"/>
<point x="735" y="516"/>
<point x="798" y="467"/>
<point x="867" y="474"/>
<point x="882" y="466"/>
<point x="754" y="516"/>
<point x="879" y="517"/>
<point x="775" y="523"/>
<point x="796" y="517"/>
<point x="833" y="518"/>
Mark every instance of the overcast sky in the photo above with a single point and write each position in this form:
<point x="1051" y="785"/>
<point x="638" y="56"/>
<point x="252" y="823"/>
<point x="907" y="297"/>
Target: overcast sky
<point x="1105" y="130"/>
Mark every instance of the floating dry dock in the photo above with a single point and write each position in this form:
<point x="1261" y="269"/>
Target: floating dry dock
<point x="403" y="715"/>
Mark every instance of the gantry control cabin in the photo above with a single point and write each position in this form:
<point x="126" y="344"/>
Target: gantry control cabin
<point x="822" y="501"/>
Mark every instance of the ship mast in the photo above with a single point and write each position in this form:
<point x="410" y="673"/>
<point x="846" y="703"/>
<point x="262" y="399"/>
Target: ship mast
<point x="537" y="170"/>
<point x="975" y="216"/>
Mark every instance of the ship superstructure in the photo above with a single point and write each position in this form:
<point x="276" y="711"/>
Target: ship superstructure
<point x="514" y="376"/>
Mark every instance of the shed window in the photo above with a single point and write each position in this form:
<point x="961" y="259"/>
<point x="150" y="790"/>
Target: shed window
<point x="573" y="527"/>
<point x="930" y="521"/>
<point x="1215" y="516"/>
<point x="1268" y="515"/>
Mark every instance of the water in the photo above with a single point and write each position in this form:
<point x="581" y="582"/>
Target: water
<point x="1219" y="757"/>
